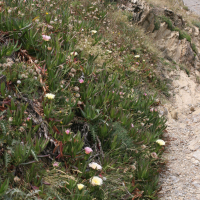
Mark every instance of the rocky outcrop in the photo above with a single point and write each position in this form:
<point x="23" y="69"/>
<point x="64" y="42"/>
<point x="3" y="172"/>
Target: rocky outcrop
<point x="169" y="42"/>
<point x="172" y="47"/>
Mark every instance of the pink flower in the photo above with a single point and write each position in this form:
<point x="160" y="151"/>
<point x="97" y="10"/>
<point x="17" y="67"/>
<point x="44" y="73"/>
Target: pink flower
<point x="137" y="63"/>
<point x="145" y="94"/>
<point x="46" y="37"/>
<point x="55" y="164"/>
<point x="67" y="131"/>
<point x="132" y="125"/>
<point x="156" y="110"/>
<point x="151" y="110"/>
<point x="28" y="119"/>
<point x="88" y="150"/>
<point x="81" y="80"/>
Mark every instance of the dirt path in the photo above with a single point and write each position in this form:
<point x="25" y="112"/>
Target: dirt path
<point x="193" y="5"/>
<point x="182" y="178"/>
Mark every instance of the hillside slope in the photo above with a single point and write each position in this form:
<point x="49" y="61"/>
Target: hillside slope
<point x="81" y="87"/>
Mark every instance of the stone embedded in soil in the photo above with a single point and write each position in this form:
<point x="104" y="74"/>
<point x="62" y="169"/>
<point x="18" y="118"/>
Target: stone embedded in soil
<point x="194" y="144"/>
<point x="196" y="183"/>
<point x="196" y="154"/>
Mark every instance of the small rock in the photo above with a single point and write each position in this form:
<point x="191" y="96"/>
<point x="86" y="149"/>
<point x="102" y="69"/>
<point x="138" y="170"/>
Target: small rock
<point x="196" y="154"/>
<point x="174" y="178"/>
<point x="196" y="183"/>
<point x="174" y="115"/>
<point x="194" y="145"/>
<point x="192" y="109"/>
<point x="195" y="120"/>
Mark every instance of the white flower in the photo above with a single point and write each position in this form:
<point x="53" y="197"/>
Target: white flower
<point x="10" y="119"/>
<point x="18" y="82"/>
<point x="50" y="96"/>
<point x="80" y="186"/>
<point x="160" y="142"/>
<point x="137" y="56"/>
<point x="78" y="95"/>
<point x="93" y="31"/>
<point x="95" y="180"/>
<point x="49" y="27"/>
<point x="79" y="103"/>
<point x="76" y="88"/>
<point x="73" y="53"/>
<point x="94" y="165"/>
<point x="108" y="51"/>
<point x="73" y="70"/>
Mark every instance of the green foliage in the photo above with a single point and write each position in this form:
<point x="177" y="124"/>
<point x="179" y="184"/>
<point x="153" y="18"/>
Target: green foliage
<point x="183" y="67"/>
<point x="157" y="23"/>
<point x="122" y="137"/>
<point x="168" y="22"/>
<point x="194" y="48"/>
<point x="8" y="49"/>
<point x="197" y="24"/>
<point x="182" y="34"/>
<point x="4" y="187"/>
<point x="186" y="8"/>
<point x="21" y="153"/>
<point x="100" y="102"/>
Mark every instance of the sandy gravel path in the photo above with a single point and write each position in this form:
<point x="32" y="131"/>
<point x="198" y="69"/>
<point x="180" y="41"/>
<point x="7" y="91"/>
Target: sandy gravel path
<point x="193" y="5"/>
<point x="181" y="180"/>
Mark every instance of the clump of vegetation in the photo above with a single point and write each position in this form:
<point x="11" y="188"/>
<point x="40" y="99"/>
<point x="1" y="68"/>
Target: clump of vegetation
<point x="182" y="34"/>
<point x="198" y="79"/>
<point x="168" y="21"/>
<point x="196" y="23"/>
<point x="183" y="67"/>
<point x="186" y="8"/>
<point x="78" y="116"/>
<point x="157" y="23"/>
<point x="194" y="48"/>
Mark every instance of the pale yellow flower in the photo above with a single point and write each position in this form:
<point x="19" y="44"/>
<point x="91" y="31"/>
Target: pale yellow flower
<point x="80" y="186"/>
<point x="73" y="53"/>
<point x="17" y="179"/>
<point x="137" y="56"/>
<point x="108" y="51"/>
<point x="160" y="142"/>
<point x="93" y="32"/>
<point x="95" y="180"/>
<point x="50" y="96"/>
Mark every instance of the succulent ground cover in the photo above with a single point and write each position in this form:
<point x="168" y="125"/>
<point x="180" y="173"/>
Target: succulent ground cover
<point x="78" y="116"/>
